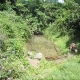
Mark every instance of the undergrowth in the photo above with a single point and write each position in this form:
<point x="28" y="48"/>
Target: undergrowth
<point x="59" y="23"/>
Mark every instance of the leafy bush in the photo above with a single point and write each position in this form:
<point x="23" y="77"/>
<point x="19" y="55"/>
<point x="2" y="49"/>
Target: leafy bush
<point x="14" y="33"/>
<point x="3" y="7"/>
<point x="12" y="66"/>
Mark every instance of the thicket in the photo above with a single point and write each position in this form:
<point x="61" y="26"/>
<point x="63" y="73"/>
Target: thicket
<point x="57" y="17"/>
<point x="40" y="15"/>
<point x="14" y="33"/>
<point x="20" y="19"/>
<point x="67" y="19"/>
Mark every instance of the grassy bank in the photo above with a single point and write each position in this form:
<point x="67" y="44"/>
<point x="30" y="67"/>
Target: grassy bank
<point x="60" y="41"/>
<point x="14" y="33"/>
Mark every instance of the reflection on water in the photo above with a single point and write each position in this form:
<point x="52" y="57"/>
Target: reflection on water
<point x="41" y="44"/>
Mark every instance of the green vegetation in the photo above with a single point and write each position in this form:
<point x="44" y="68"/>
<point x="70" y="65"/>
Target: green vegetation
<point x="19" y="20"/>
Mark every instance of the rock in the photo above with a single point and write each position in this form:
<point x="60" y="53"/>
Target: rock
<point x="10" y="78"/>
<point x="30" y="53"/>
<point x="38" y="56"/>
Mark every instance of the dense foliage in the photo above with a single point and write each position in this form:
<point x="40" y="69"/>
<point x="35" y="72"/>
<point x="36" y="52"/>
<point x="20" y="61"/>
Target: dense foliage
<point x="20" y="19"/>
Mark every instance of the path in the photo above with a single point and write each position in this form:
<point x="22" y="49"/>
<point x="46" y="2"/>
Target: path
<point x="59" y="60"/>
<point x="33" y="62"/>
